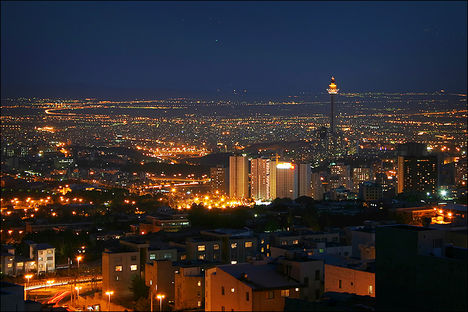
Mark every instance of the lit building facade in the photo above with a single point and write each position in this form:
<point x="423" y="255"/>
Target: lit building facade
<point x="286" y="186"/>
<point x="304" y="175"/>
<point x="238" y="177"/>
<point x="260" y="178"/>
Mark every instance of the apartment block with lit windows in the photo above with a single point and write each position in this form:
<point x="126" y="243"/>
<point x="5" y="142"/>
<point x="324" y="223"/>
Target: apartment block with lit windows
<point x="119" y="267"/>
<point x="248" y="287"/>
<point x="43" y="255"/>
<point x="189" y="288"/>
<point x="203" y="248"/>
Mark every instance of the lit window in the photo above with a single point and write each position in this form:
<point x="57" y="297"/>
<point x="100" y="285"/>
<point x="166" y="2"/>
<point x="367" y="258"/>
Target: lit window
<point x="234" y="245"/>
<point x="295" y="242"/>
<point x="199" y="283"/>
<point x="216" y="247"/>
<point x="201" y="257"/>
<point x="233" y="290"/>
<point x="263" y="249"/>
<point x="370" y="289"/>
<point x="285" y="293"/>
<point x="118" y="268"/>
<point x="248" y="244"/>
<point x="152" y="256"/>
<point x="199" y="303"/>
<point x="201" y="248"/>
<point x="270" y="295"/>
<point x="133" y="267"/>
<point x="10" y="265"/>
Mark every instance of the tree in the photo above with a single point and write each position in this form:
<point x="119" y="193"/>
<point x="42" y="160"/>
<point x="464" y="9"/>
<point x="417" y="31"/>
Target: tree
<point x="142" y="304"/>
<point x="138" y="287"/>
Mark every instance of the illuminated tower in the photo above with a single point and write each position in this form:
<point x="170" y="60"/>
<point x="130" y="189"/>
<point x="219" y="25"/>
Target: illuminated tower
<point x="332" y="90"/>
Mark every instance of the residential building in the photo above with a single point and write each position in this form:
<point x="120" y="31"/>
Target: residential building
<point x="189" y="288"/>
<point x="260" y="178"/>
<point x="238" y="177"/>
<point x="358" y="280"/>
<point x="428" y="273"/>
<point x="304" y="175"/>
<point x="286" y="176"/>
<point x="219" y="179"/>
<point x="119" y="267"/>
<point x="43" y="255"/>
<point x="248" y="287"/>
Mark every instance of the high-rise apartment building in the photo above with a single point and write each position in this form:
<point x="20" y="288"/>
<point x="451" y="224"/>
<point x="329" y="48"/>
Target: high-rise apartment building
<point x="417" y="174"/>
<point x="260" y="178"/>
<point x="360" y="175"/>
<point x="219" y="179"/>
<point x="286" y="175"/>
<point x="238" y="177"/>
<point x="340" y="175"/>
<point x="304" y="180"/>
<point x="317" y="187"/>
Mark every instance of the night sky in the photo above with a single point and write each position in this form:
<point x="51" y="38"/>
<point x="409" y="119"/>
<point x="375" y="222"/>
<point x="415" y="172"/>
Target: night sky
<point x="151" y="49"/>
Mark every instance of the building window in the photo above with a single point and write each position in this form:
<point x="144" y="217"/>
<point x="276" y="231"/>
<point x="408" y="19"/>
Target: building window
<point x="285" y="293"/>
<point x="215" y="247"/>
<point x="10" y="265"/>
<point x="339" y="283"/>
<point x="248" y="244"/>
<point x="295" y="242"/>
<point x="133" y="258"/>
<point x="371" y="290"/>
<point x="233" y="290"/>
<point x="118" y="268"/>
<point x="116" y="277"/>
<point x="201" y="257"/>
<point x="262" y="250"/>
<point x="270" y="295"/>
<point x="133" y="267"/>
<point x="201" y="247"/>
<point x="222" y="290"/>
<point x="49" y="252"/>
<point x="152" y="256"/>
<point x="199" y="303"/>
<point x="284" y="243"/>
<point x="317" y="275"/>
<point x="50" y="258"/>
<point x="199" y="283"/>
<point x="183" y="257"/>
<point x="247" y="294"/>
<point x="234" y="245"/>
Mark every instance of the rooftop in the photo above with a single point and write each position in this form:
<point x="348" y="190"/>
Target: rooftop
<point x="259" y="277"/>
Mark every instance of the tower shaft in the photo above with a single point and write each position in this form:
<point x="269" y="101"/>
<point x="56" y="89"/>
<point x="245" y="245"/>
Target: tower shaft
<point x="332" y="113"/>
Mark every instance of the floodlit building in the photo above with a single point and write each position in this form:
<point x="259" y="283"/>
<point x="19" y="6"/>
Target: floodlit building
<point x="238" y="177"/>
<point x="286" y="175"/>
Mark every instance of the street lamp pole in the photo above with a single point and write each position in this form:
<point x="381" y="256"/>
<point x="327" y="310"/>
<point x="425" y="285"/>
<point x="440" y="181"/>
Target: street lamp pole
<point x="160" y="297"/>
<point x="109" y="293"/>
<point x="27" y="285"/>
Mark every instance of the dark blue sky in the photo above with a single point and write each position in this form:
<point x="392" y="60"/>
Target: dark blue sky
<point x="143" y="49"/>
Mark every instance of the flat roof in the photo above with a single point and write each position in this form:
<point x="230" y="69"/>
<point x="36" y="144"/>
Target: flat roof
<point x="263" y="276"/>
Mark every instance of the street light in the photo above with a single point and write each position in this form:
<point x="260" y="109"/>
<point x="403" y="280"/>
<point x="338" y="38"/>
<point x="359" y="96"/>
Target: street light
<point x="160" y="297"/>
<point x="77" y="288"/>
<point x="28" y="277"/>
<point x="109" y="293"/>
<point x="50" y="282"/>
<point x="78" y="258"/>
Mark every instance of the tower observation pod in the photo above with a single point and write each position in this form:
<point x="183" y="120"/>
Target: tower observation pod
<point x="332" y="90"/>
